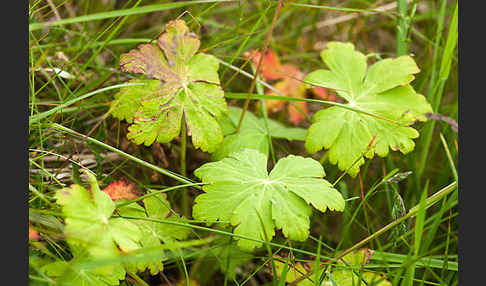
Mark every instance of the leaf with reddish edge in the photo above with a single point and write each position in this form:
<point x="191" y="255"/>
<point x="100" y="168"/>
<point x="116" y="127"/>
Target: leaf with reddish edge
<point x="181" y="83"/>
<point x="382" y="89"/>
<point x="90" y="224"/>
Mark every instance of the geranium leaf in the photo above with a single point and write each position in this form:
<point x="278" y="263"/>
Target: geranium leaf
<point x="347" y="69"/>
<point x="71" y="274"/>
<point x="296" y="271"/>
<point x="178" y="43"/>
<point x="253" y="134"/>
<point x="383" y="91"/>
<point x="153" y="234"/>
<point x="129" y="100"/>
<point x="184" y="84"/>
<point x="89" y="223"/>
<point x="350" y="272"/>
<point x="240" y="190"/>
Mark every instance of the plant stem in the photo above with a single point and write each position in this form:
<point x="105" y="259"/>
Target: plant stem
<point x="168" y="173"/>
<point x="259" y="88"/>
<point x="185" y="200"/>
<point x="449" y="157"/>
<point x="411" y="213"/>
<point x="402" y="27"/>
<point x="435" y="56"/>
<point x="253" y="82"/>
<point x="36" y="118"/>
<point x="436" y="94"/>
<point x="138" y="279"/>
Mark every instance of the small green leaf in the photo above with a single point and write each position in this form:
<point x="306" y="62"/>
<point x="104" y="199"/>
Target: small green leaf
<point x="253" y="134"/>
<point x="240" y="190"/>
<point x="382" y="91"/>
<point x="153" y="234"/>
<point x="71" y="274"/>
<point x="350" y="272"/>
<point x="296" y="271"/>
<point x="184" y="84"/>
<point x="129" y="100"/>
<point x="89" y="223"/>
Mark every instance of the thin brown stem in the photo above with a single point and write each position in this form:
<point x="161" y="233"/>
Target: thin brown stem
<point x="253" y="82"/>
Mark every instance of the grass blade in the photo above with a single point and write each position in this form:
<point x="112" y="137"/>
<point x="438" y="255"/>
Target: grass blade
<point x="119" y="13"/>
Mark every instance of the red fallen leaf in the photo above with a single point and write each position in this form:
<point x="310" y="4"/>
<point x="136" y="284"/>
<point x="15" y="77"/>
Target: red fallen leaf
<point x="322" y="93"/>
<point x="120" y="190"/>
<point x="271" y="68"/>
<point x="290" y="85"/>
<point x="33" y="234"/>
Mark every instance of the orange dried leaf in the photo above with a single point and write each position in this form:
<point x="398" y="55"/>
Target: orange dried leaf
<point x="33" y="234"/>
<point x="120" y="190"/>
<point x="292" y="88"/>
<point x="296" y="116"/>
<point x="291" y="85"/>
<point x="277" y="105"/>
<point x="322" y="93"/>
<point x="270" y="68"/>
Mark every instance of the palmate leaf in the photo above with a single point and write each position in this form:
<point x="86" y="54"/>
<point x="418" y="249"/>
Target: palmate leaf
<point x="92" y="233"/>
<point x="89" y="221"/>
<point x="253" y="134"/>
<point x="73" y="274"/>
<point x="382" y="90"/>
<point x="352" y="272"/>
<point x="240" y="190"/>
<point x="153" y="233"/>
<point x="184" y="84"/>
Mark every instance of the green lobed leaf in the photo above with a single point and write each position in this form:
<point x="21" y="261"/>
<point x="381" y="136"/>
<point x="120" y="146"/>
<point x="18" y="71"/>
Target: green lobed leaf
<point x="253" y="134"/>
<point x="129" y="100"/>
<point x="180" y="83"/>
<point x="71" y="274"/>
<point x="294" y="272"/>
<point x="240" y="190"/>
<point x="382" y="90"/>
<point x="89" y="221"/>
<point x="91" y="232"/>
<point x="346" y="274"/>
<point x="153" y="234"/>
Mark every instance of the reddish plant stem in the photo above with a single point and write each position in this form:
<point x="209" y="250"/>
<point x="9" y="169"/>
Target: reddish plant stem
<point x="253" y="82"/>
